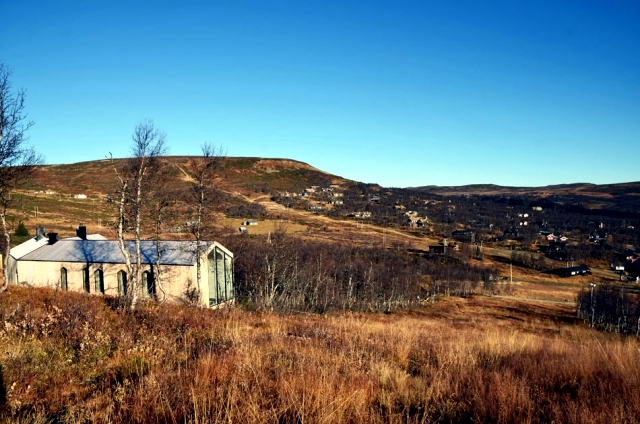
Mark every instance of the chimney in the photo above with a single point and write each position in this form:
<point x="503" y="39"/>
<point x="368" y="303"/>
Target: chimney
<point x="53" y="237"/>
<point x="39" y="233"/>
<point x="81" y="231"/>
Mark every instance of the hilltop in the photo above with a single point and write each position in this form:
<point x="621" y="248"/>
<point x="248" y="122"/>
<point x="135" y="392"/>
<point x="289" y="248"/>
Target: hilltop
<point x="237" y="174"/>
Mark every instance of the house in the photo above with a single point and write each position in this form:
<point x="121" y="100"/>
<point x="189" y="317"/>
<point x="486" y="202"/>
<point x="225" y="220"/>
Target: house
<point x="437" y="250"/>
<point x="80" y="196"/>
<point x="464" y="235"/>
<point x="250" y="222"/>
<point x="92" y="264"/>
<point x="359" y="215"/>
<point x="574" y="270"/>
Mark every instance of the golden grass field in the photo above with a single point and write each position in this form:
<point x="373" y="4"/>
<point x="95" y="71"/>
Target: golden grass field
<point x="70" y="357"/>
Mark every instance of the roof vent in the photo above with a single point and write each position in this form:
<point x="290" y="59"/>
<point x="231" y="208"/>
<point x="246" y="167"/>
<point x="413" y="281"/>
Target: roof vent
<point x="53" y="237"/>
<point x="39" y="233"/>
<point x="81" y="231"/>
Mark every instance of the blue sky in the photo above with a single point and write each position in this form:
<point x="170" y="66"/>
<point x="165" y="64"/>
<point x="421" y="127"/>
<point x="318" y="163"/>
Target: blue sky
<point x="402" y="93"/>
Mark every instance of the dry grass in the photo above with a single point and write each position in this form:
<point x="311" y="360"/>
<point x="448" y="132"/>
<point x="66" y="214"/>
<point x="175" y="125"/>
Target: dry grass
<point x="71" y="358"/>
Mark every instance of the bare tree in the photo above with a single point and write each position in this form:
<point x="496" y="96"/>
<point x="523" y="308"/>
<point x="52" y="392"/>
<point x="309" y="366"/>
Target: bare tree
<point x="17" y="160"/>
<point x="203" y="169"/>
<point x="162" y="199"/>
<point x="149" y="143"/>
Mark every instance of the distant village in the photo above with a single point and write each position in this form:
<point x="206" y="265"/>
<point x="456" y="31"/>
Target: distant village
<point x="561" y="234"/>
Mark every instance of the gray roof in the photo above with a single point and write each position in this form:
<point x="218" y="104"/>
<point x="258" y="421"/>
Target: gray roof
<point x="108" y="251"/>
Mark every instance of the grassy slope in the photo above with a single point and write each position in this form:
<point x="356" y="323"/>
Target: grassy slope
<point x="70" y="357"/>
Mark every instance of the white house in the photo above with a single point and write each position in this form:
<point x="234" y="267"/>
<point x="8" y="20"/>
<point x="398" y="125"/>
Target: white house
<point x="92" y="264"/>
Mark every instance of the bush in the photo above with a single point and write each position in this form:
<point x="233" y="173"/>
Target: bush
<point x="21" y="231"/>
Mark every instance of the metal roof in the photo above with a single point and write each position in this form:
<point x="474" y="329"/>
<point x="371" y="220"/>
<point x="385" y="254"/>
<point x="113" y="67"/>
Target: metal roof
<point x="108" y="251"/>
<point x="28" y="247"/>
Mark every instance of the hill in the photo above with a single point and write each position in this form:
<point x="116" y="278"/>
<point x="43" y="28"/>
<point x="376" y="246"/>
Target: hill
<point x="236" y="174"/>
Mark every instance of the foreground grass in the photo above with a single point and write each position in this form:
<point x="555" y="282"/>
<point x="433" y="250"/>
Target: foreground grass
<point x="69" y="357"/>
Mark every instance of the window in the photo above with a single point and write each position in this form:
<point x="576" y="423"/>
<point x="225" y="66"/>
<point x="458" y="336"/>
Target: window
<point x="122" y="283"/>
<point x="85" y="280"/>
<point x="63" y="279"/>
<point x="99" y="280"/>
<point x="148" y="284"/>
<point x="220" y="277"/>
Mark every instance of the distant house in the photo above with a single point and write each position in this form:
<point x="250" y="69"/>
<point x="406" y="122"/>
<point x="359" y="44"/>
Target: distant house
<point x="464" y="235"/>
<point x="315" y="208"/>
<point x="336" y="202"/>
<point x="80" y="196"/>
<point x="359" y="215"/>
<point x="437" y="250"/>
<point x="633" y="267"/>
<point x="250" y="222"/>
<point x="574" y="270"/>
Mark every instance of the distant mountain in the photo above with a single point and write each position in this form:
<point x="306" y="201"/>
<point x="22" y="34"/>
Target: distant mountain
<point x="632" y="188"/>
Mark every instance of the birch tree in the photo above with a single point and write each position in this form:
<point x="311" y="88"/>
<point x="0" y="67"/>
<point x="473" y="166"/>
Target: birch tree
<point x="203" y="169"/>
<point x="135" y="182"/>
<point x="17" y="159"/>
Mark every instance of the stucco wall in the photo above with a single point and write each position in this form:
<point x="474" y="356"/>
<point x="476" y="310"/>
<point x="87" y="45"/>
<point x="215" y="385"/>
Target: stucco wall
<point x="175" y="279"/>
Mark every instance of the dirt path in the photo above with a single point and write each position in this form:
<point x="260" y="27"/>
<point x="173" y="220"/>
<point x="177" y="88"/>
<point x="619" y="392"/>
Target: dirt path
<point x="387" y="235"/>
<point x="531" y="299"/>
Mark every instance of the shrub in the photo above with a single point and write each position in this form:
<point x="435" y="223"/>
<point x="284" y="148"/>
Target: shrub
<point x="21" y="230"/>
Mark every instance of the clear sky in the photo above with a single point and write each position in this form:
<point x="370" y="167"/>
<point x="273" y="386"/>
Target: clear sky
<point x="399" y="93"/>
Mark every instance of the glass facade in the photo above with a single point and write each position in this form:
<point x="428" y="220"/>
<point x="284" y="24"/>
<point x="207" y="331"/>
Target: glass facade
<point x="220" y="277"/>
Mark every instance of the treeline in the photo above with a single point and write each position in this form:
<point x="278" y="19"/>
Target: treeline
<point x="610" y="308"/>
<point x="288" y="274"/>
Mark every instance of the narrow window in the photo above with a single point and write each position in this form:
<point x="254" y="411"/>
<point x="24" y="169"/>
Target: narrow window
<point x="99" y="280"/>
<point x="148" y="284"/>
<point x="63" y="279"/>
<point x="122" y="283"/>
<point x="228" y="276"/>
<point x="220" y="276"/>
<point x="85" y="280"/>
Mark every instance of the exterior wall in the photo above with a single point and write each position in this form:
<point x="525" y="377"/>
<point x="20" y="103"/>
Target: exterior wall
<point x="47" y="274"/>
<point x="176" y="279"/>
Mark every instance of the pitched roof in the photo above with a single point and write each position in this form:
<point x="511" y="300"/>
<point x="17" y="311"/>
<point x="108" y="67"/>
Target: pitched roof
<point x="108" y="251"/>
<point x="27" y="247"/>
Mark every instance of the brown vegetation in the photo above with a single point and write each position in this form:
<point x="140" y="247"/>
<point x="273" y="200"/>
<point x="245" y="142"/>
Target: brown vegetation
<point x="70" y="357"/>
